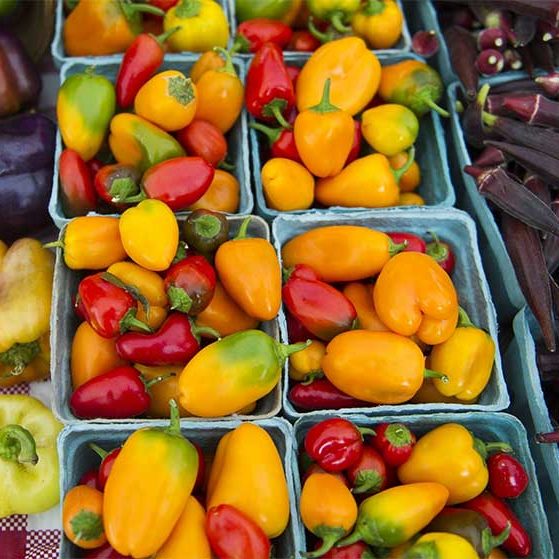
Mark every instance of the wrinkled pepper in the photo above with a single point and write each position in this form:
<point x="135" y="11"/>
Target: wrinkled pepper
<point x="361" y="296"/>
<point x="129" y="502"/>
<point x="252" y="34"/>
<point x="337" y="12"/>
<point x="442" y="546"/>
<point x="273" y="9"/>
<point x="379" y="22"/>
<point x="76" y="184"/>
<point x="287" y="185"/>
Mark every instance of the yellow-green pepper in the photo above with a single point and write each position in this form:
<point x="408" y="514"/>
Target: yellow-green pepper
<point x="441" y="545"/>
<point x="337" y="12"/>
<point x="379" y="22"/>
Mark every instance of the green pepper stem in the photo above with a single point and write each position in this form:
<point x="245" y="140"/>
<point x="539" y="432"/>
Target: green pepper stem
<point x="207" y="226"/>
<point x="488" y="118"/>
<point x="188" y="8"/>
<point x="498" y="447"/>
<point x="228" y="67"/>
<point x="136" y="199"/>
<point x="337" y="21"/>
<point x="285" y="350"/>
<point x="19" y="356"/>
<point x="428" y="373"/>
<point x="207" y="330"/>
<point x="180" y="300"/>
<point x="131" y="289"/>
<point x="366" y="431"/>
<point x="489" y="542"/>
<point x="55" y="244"/>
<point x="180" y="254"/>
<point x="464" y="320"/>
<point x="123" y="188"/>
<point x="351" y="539"/>
<point x="130" y="10"/>
<point x="226" y="166"/>
<point x="366" y="481"/>
<point x="17" y="445"/>
<point x="432" y="105"/>
<point x="399" y="173"/>
<point x="242" y="234"/>
<point x="274" y="109"/>
<point x="272" y="134"/>
<point x="311" y="377"/>
<point x="164" y="36"/>
<point x="87" y="525"/>
<point x="149" y="383"/>
<point x="395" y="248"/>
<point x="325" y="106"/>
<point x="101" y="452"/>
<point x="130" y="321"/>
<point x="174" y="418"/>
<point x="317" y="34"/>
<point x="373" y="7"/>
<point x="328" y="541"/>
<point x="240" y="44"/>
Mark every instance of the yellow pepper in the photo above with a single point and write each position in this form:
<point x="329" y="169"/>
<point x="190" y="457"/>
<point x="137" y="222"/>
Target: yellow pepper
<point x="168" y="100"/>
<point x="287" y="185"/>
<point x="442" y="545"/>
<point x="202" y="25"/>
<point x="354" y="70"/>
<point x="466" y="358"/>
<point x="361" y="295"/>
<point x="414" y="295"/>
<point x="210" y="60"/>
<point x="223" y="195"/>
<point x="452" y="456"/>
<point x="307" y="362"/>
<point x="247" y="473"/>
<point x="410" y="199"/>
<point x="411" y="179"/>
<point x="379" y="22"/>
<point x="37" y="369"/>
<point x="428" y="393"/>
<point x="150" y="234"/>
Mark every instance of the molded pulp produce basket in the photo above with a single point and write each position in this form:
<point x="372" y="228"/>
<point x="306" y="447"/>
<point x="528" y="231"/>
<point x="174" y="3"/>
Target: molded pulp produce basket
<point x="431" y="154"/>
<point x="57" y="47"/>
<point x="64" y="323"/>
<point x="529" y="404"/>
<point x="453" y="226"/>
<point x="487" y="426"/>
<point x="237" y="136"/>
<point x="76" y="458"/>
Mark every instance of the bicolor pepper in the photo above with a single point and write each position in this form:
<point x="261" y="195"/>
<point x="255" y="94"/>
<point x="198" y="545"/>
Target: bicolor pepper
<point x="369" y="475"/>
<point x="252" y="34"/>
<point x="379" y="22"/>
<point x="442" y="546"/>
<point x="116" y="178"/>
<point x="441" y="252"/>
<point x="361" y="296"/>
<point x="203" y="139"/>
<point x="411" y="179"/>
<point x="222" y="196"/>
<point x="273" y="9"/>
<point x="281" y="141"/>
<point x="205" y="231"/>
<point x="244" y="367"/>
<point x="463" y="471"/>
<point x="321" y="394"/>
<point x="337" y="12"/>
<point x="85" y="106"/>
<point x="394" y="441"/>
<point x="466" y="358"/>
<point x="413" y="242"/>
<point x="414" y="295"/>
<point x="129" y="501"/>
<point x="76" y="184"/>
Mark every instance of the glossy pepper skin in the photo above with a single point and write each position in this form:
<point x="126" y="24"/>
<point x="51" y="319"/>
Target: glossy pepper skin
<point x="287" y="185"/>
<point x="210" y="60"/>
<point x="379" y="22"/>
<point x="205" y="231"/>
<point x="163" y="391"/>
<point x="281" y="141"/>
<point x="466" y="358"/>
<point x="129" y="501"/>
<point x="245" y="367"/>
<point x="321" y="394"/>
<point x="84" y="107"/>
<point x="121" y="178"/>
<point x="413" y="242"/>
<point x="107" y="461"/>
<point x="273" y="9"/>
<point x="414" y="295"/>
<point x="443" y="546"/>
<point x="361" y="296"/>
<point x="76" y="184"/>
<point x="222" y="196"/>
<point x="442" y="253"/>
<point x="394" y="441"/>
<point x="463" y="472"/>
<point x="252" y="34"/>
<point x="369" y="475"/>
<point x="203" y="139"/>
<point x="507" y="477"/>
<point x="352" y="67"/>
<point x="269" y="90"/>
<point x="357" y="550"/>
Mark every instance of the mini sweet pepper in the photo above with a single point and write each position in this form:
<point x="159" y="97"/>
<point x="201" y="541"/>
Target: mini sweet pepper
<point x="379" y="22"/>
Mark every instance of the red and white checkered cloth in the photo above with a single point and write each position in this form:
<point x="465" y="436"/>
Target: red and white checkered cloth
<point x="35" y="536"/>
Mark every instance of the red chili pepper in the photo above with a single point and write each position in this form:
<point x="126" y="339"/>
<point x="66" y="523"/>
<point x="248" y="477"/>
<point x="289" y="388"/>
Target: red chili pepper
<point x="254" y="33"/>
<point x="394" y="441"/>
<point x="164" y="5"/>
<point x="205" y="140"/>
<point x="122" y="178"/>
<point x="413" y="242"/>
<point x="294" y="72"/>
<point x="280" y="140"/>
<point x="76" y="184"/>
<point x="94" y="165"/>
<point x="335" y="444"/>
<point x="322" y="309"/>
<point x="89" y="479"/>
<point x="507" y="477"/>
<point x="117" y="394"/>
<point x="303" y="41"/>
<point x="321" y="394"/>
<point x="233" y="535"/>
<point x="441" y="252"/>
<point x="357" y="550"/>
<point x="269" y="91"/>
<point x="314" y="468"/>
<point x="498" y="515"/>
<point x="140" y="61"/>
<point x="201" y="475"/>
<point x="107" y="462"/>
<point x="296" y="332"/>
<point x="369" y="474"/>
<point x="108" y="305"/>
<point x="104" y="552"/>
<point x="356" y="147"/>
<point x="175" y="343"/>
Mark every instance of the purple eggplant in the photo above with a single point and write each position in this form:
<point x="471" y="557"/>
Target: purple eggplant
<point x="534" y="109"/>
<point x="489" y="157"/>
<point x="524" y="30"/>
<point x="463" y="53"/>
<point x="551" y="246"/>
<point x="524" y="85"/>
<point x="549" y="83"/>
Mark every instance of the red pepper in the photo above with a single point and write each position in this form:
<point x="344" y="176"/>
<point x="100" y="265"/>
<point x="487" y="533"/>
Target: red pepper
<point x="280" y="140"/>
<point x="395" y="442"/>
<point x="357" y="550"/>
<point x="335" y="444"/>
<point x="77" y="305"/>
<point x="175" y="343"/>
<point x="303" y="41"/>
<point x="369" y="474"/>
<point x="201" y="475"/>
<point x="117" y="394"/>
<point x="89" y="479"/>
<point x="498" y="515"/>
<point x="178" y="182"/>
<point x="296" y="332"/>
<point x="507" y="477"/>
<point x="76" y="184"/>
<point x="122" y="178"/>
<point x="269" y="91"/>
<point x="413" y="242"/>
<point x="94" y="165"/>
<point x="205" y="140"/>
<point x="107" y="462"/>
<point x="140" y="61"/>
<point x="164" y="5"/>
<point x="441" y="252"/>
<point x="321" y="394"/>
<point x="104" y="552"/>
<point x="301" y="271"/>
<point x="322" y="309"/>
<point x="356" y="147"/>
<point x="233" y="535"/>
<point x="108" y="305"/>
<point x="190" y="284"/>
<point x="293" y="72"/>
<point x="314" y="468"/>
<point x="254" y="33"/>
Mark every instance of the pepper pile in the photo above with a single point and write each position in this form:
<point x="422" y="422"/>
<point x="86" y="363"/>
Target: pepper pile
<point x="151" y="300"/>
<point x="114" y="513"/>
<point x="442" y="496"/>
<point x="169" y="149"/>
<point x="317" y="156"/>
<point x="370" y="339"/>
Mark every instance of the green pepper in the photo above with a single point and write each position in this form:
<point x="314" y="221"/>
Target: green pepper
<point x="337" y="12"/>
<point x="271" y="9"/>
<point x="85" y="105"/>
<point x="205" y="231"/>
<point x="28" y="457"/>
<point x="232" y="373"/>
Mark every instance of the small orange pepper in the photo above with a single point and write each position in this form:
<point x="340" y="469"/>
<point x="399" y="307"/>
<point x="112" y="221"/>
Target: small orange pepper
<point x="361" y="295"/>
<point x="82" y="517"/>
<point x="210" y="60"/>
<point x="287" y="185"/>
<point x="410" y="199"/>
<point x="223" y="195"/>
<point x="411" y="179"/>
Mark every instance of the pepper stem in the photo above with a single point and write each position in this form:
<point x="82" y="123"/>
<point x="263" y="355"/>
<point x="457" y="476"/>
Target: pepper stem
<point x="399" y="173"/>
<point x="240" y="44"/>
<point x="367" y="480"/>
<point x="317" y="34"/>
<point x="164" y="36"/>
<point x="311" y="377"/>
<point x="337" y="21"/>
<point x="330" y="538"/>
<point x="351" y="539"/>
<point x="17" y="445"/>
<point x="285" y="350"/>
<point x="123" y="188"/>
<point x="180" y="300"/>
<point x="130" y="321"/>
<point x="226" y="166"/>
<point x="131" y="289"/>
<point x="274" y="109"/>
<point x="243" y="229"/>
<point x="198" y="331"/>
<point x="483" y="448"/>
<point x="436" y="249"/>
<point x="19" y="356"/>
<point x="130" y="10"/>
<point x="428" y="373"/>
<point x="207" y="226"/>
<point x="489" y="542"/>
<point x="228" y="67"/>
<point x="325" y="106"/>
<point x="137" y="198"/>
<point x="373" y="7"/>
<point x="101" y="452"/>
<point x="149" y="383"/>
<point x="55" y="244"/>
<point x="547" y="438"/>
<point x="395" y="248"/>
<point x="272" y="134"/>
<point x="463" y="319"/>
<point x="432" y="105"/>
<point x="366" y="431"/>
<point x="174" y="417"/>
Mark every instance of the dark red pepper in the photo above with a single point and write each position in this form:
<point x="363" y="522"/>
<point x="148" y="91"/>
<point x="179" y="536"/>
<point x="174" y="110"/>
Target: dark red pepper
<point x="296" y="332"/>
<point x="124" y="179"/>
<point x="356" y="147"/>
<point x="203" y="139"/>
<point x="303" y="41"/>
<point x="140" y="61"/>
<point x="233" y="535"/>
<point x="117" y="394"/>
<point x="369" y="474"/>
<point x="201" y="475"/>
<point x="94" y="165"/>
<point x="107" y="461"/>
<point x="190" y="284"/>
<point x="254" y="33"/>
<point x="314" y="468"/>
<point x="76" y="184"/>
<point x="357" y="550"/>
<point x="413" y="242"/>
<point x="507" y="477"/>
<point x="321" y="394"/>
<point x="89" y="479"/>
<point x="394" y="441"/>
<point x="108" y="306"/>
<point x="441" y="252"/>
<point x="269" y="92"/>
<point x="335" y="444"/>
<point x="294" y="72"/>
<point x="175" y="343"/>
<point x="498" y="516"/>
<point x="104" y="552"/>
<point x="280" y="140"/>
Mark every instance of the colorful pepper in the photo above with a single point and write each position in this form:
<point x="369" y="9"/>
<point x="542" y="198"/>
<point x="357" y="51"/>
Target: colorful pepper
<point x="507" y="477"/>
<point x="281" y="141"/>
<point x="394" y="441"/>
<point x="442" y="546"/>
<point x="161" y="392"/>
<point x="361" y="296"/>
<point x="76" y="184"/>
<point x="321" y="394"/>
<point x="203" y="139"/>
<point x="379" y="22"/>
<point x="273" y="9"/>
<point x="205" y="231"/>
<point x="441" y="252"/>
<point x="82" y="517"/>
<point x="337" y="12"/>
<point x="107" y="462"/>
<point x="306" y="364"/>
<point x="252" y="34"/>
<point x="369" y="475"/>
<point x="287" y="185"/>
<point x="116" y="178"/>
<point x="223" y="195"/>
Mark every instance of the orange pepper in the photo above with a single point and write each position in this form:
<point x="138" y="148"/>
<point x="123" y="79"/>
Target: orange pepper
<point x="414" y="295"/>
<point x="82" y="517"/>
<point x="223" y="195"/>
<point x="287" y="185"/>
<point x="157" y="316"/>
<point x="410" y="199"/>
<point x="429" y="394"/>
<point x="210" y="60"/>
<point x="361" y="295"/>
<point x="411" y="179"/>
